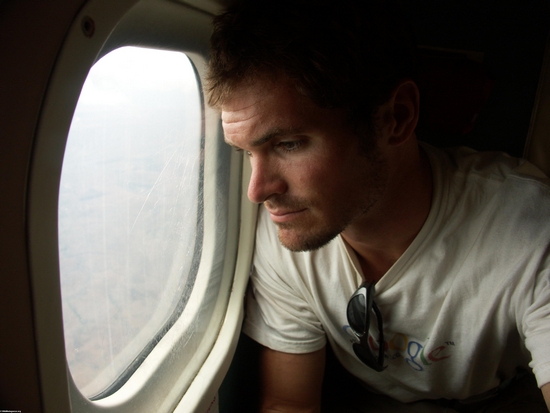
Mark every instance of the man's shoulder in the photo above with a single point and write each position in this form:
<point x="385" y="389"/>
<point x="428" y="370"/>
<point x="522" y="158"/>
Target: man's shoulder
<point x="491" y="165"/>
<point x="489" y="192"/>
<point x="488" y="175"/>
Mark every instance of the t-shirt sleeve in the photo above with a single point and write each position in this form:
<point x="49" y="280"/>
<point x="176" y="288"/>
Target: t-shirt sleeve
<point x="536" y="324"/>
<point x="278" y="314"/>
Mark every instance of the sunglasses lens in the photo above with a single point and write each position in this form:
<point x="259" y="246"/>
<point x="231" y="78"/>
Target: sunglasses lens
<point x="364" y="354"/>
<point x="357" y="308"/>
<point x="359" y="320"/>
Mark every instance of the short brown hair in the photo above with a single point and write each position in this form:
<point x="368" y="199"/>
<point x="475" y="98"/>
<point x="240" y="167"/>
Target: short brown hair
<point x="346" y="54"/>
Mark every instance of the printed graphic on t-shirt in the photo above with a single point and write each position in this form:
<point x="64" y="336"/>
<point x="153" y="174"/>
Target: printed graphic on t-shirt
<point x="419" y="356"/>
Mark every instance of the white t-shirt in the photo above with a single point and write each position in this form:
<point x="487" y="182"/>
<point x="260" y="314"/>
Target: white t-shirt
<point x="464" y="306"/>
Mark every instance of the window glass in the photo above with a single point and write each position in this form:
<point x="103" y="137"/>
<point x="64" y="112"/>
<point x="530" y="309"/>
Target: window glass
<point x="130" y="216"/>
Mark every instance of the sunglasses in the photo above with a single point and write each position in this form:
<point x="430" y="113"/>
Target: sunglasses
<point x="360" y="307"/>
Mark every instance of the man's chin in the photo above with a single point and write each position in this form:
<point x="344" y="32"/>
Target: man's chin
<point x="296" y="242"/>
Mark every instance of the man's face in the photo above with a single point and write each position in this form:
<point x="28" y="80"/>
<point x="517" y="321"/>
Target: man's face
<point x="308" y="168"/>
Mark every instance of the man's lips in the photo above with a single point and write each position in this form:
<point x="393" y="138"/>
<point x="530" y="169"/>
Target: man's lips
<point x="280" y="215"/>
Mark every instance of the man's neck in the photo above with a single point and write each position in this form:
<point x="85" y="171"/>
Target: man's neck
<point x="385" y="232"/>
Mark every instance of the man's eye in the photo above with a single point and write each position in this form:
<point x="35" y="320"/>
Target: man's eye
<point x="290" y="146"/>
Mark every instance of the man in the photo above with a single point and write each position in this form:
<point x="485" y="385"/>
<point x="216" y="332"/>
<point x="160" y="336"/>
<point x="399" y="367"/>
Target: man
<point x="426" y="271"/>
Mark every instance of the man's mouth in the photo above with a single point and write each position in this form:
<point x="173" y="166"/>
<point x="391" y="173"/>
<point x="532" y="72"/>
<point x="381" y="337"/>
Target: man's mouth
<point x="281" y="215"/>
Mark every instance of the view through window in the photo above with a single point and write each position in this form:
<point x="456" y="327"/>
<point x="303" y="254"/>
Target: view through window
<point x="129" y="210"/>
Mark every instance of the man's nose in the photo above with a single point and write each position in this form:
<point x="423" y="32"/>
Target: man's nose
<point x="265" y="181"/>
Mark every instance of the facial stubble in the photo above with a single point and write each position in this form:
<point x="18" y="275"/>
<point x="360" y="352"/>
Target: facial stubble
<point x="316" y="236"/>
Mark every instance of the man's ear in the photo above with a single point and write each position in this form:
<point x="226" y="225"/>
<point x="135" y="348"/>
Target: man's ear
<point x="397" y="118"/>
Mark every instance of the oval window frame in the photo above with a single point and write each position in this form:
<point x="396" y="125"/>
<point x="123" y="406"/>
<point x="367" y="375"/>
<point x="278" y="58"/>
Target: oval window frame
<point x="116" y="24"/>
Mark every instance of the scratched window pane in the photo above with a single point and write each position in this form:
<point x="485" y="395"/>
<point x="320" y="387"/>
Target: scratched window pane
<point x="129" y="210"/>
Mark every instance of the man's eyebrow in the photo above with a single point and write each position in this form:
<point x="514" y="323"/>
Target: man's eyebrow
<point x="271" y="134"/>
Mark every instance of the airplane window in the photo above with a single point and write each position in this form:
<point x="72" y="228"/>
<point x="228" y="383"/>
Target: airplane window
<point x="130" y="211"/>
